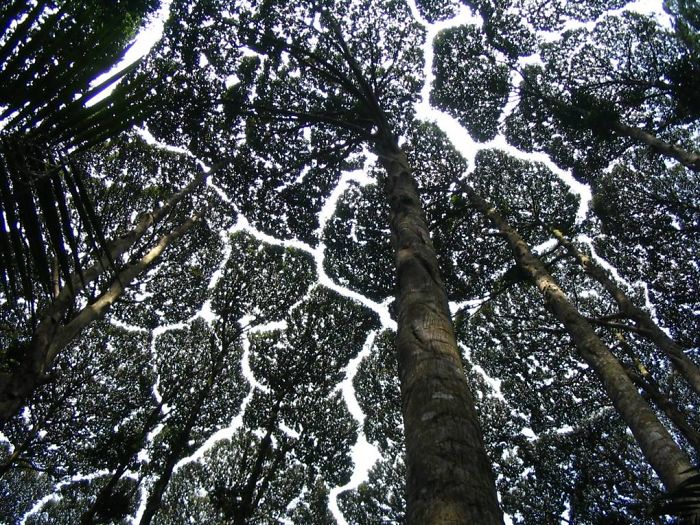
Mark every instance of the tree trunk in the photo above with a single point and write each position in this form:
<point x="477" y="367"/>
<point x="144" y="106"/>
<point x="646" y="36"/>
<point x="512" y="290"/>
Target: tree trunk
<point x="450" y="480"/>
<point x="663" y="454"/>
<point x="643" y="380"/>
<point x="156" y="496"/>
<point x="688" y="159"/>
<point x="50" y="336"/>
<point x="648" y="328"/>
<point x="154" y="500"/>
<point x="106" y="493"/>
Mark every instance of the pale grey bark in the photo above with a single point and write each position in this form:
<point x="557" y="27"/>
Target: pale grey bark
<point x="666" y="458"/>
<point x="645" y="324"/>
<point x="52" y="335"/>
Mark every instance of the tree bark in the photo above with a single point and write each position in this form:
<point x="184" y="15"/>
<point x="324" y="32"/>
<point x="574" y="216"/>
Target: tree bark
<point x="663" y="454"/>
<point x="450" y="480"/>
<point x="648" y="328"/>
<point x="643" y="380"/>
<point x="688" y="159"/>
<point x="51" y="336"/>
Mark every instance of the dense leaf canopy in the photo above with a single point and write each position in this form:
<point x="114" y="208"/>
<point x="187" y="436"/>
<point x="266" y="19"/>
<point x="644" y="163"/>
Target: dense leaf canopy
<point x="197" y="296"/>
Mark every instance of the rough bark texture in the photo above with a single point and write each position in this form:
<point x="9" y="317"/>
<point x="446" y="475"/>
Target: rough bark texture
<point x="663" y="454"/>
<point x="647" y="327"/>
<point x="450" y="480"/>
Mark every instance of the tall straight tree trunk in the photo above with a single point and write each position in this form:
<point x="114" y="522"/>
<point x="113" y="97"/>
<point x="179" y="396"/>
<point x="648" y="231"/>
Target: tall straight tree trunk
<point x="680" y="362"/>
<point x="155" y="498"/>
<point x="450" y="480"/>
<point x="663" y="454"/>
<point x="449" y="476"/>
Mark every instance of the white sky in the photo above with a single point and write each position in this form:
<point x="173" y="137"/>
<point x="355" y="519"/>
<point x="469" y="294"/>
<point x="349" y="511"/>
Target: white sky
<point x="364" y="454"/>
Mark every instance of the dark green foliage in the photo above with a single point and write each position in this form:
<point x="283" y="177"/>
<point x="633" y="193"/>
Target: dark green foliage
<point x="685" y="72"/>
<point x="262" y="280"/>
<point x="50" y="54"/>
<point x="626" y="70"/>
<point x="504" y="27"/>
<point x="649" y="216"/>
<point x="470" y="84"/>
<point x="434" y="11"/>
<point x="353" y="235"/>
<point x="380" y="499"/>
<point x="268" y="90"/>
<point x="95" y="417"/>
<point x="285" y="458"/>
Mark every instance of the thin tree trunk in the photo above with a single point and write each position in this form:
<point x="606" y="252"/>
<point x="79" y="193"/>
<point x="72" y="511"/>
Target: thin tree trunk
<point x="663" y="454"/>
<point x="105" y="494"/>
<point x="153" y="503"/>
<point x="450" y="480"/>
<point x="643" y="380"/>
<point x="245" y="508"/>
<point x="156" y="496"/>
<point x="688" y="159"/>
<point x="51" y="336"/>
<point x="648" y="328"/>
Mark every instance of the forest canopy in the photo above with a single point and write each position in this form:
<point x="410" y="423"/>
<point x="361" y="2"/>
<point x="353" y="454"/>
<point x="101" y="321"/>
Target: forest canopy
<point x="350" y="261"/>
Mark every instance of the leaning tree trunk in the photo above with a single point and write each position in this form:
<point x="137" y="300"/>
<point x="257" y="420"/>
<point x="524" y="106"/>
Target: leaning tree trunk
<point x="689" y="159"/>
<point x="51" y="335"/>
<point x="661" y="451"/>
<point x="679" y="360"/>
<point x="180" y="445"/>
<point x="450" y="480"/>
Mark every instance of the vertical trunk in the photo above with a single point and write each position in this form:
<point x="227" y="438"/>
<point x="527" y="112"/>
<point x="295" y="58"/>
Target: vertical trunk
<point x="663" y="454"/>
<point x="450" y="480"/>
<point x="156" y="495"/>
<point x="680" y="362"/>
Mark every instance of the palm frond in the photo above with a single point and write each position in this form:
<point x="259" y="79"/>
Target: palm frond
<point x="683" y="502"/>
